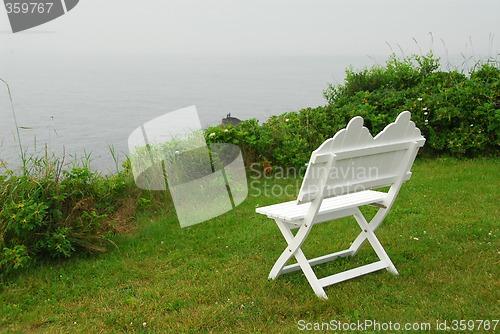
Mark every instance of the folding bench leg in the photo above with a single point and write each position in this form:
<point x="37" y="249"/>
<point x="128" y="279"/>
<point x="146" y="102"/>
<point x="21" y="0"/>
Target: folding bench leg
<point x="293" y="249"/>
<point x="374" y="224"/>
<point x="368" y="234"/>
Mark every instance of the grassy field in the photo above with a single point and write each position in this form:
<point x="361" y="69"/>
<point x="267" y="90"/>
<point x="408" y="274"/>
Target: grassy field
<point x="442" y="235"/>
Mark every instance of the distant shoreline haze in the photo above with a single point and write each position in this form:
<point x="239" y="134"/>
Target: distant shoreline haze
<point x="91" y="103"/>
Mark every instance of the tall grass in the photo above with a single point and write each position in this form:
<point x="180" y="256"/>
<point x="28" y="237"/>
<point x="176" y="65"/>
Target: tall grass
<point x="57" y="209"/>
<point x="21" y="152"/>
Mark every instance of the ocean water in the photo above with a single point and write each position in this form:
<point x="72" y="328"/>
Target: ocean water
<point x="88" y="104"/>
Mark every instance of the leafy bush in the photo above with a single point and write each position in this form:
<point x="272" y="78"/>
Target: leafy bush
<point x="48" y="212"/>
<point x="246" y="135"/>
<point x="459" y="114"/>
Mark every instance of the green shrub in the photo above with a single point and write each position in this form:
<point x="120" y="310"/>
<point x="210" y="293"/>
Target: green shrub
<point x="48" y="212"/>
<point x="15" y="258"/>
<point x="459" y="114"/>
<point x="246" y="135"/>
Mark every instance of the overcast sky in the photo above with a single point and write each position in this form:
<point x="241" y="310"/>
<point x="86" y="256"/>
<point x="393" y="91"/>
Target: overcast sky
<point x="262" y="27"/>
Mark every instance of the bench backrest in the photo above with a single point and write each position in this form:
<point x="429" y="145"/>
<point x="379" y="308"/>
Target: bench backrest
<point x="353" y="160"/>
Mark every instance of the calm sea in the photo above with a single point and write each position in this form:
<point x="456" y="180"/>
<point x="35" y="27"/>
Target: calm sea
<point x="76" y="105"/>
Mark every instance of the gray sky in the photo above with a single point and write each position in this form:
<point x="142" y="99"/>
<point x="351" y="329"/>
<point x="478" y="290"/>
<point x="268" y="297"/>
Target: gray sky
<point x="262" y="27"/>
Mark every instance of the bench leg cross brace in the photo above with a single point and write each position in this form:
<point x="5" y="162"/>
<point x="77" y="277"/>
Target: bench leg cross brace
<point x="294" y="250"/>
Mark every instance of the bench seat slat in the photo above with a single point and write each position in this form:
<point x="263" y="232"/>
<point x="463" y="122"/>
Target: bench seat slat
<point x="291" y="211"/>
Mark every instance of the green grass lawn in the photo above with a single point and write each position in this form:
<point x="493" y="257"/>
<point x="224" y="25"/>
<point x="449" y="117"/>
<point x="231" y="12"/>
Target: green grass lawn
<point x="442" y="235"/>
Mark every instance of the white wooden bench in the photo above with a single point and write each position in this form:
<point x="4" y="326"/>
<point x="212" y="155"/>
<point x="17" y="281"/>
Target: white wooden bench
<point x="339" y="179"/>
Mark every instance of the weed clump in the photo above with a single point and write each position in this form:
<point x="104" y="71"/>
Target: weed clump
<point x="49" y="211"/>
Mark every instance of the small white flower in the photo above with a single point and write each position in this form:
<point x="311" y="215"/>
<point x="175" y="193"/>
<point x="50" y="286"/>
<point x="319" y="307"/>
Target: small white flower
<point x="144" y="324"/>
<point x="420" y="99"/>
<point x="415" y="238"/>
<point x="426" y="121"/>
<point x="424" y="109"/>
<point x="286" y="119"/>
<point x="211" y="134"/>
<point x="472" y="125"/>
<point x="177" y="152"/>
<point x="425" y="113"/>
<point x="226" y="130"/>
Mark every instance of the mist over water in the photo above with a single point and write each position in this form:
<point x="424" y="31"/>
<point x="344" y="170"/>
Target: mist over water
<point x="72" y="105"/>
<point x="76" y="105"/>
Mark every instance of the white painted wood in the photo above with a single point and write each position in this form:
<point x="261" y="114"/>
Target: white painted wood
<point x="317" y="260"/>
<point x="338" y="180"/>
<point x="352" y="273"/>
<point x="356" y="138"/>
<point x="291" y="211"/>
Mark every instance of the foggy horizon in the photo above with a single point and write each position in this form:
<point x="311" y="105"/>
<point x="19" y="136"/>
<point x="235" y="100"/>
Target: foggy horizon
<point x="262" y="28"/>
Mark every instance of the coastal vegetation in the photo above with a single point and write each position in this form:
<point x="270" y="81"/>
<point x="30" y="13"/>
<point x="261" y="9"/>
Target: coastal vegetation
<point x="458" y="113"/>
<point x="148" y="275"/>
<point x="54" y="210"/>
